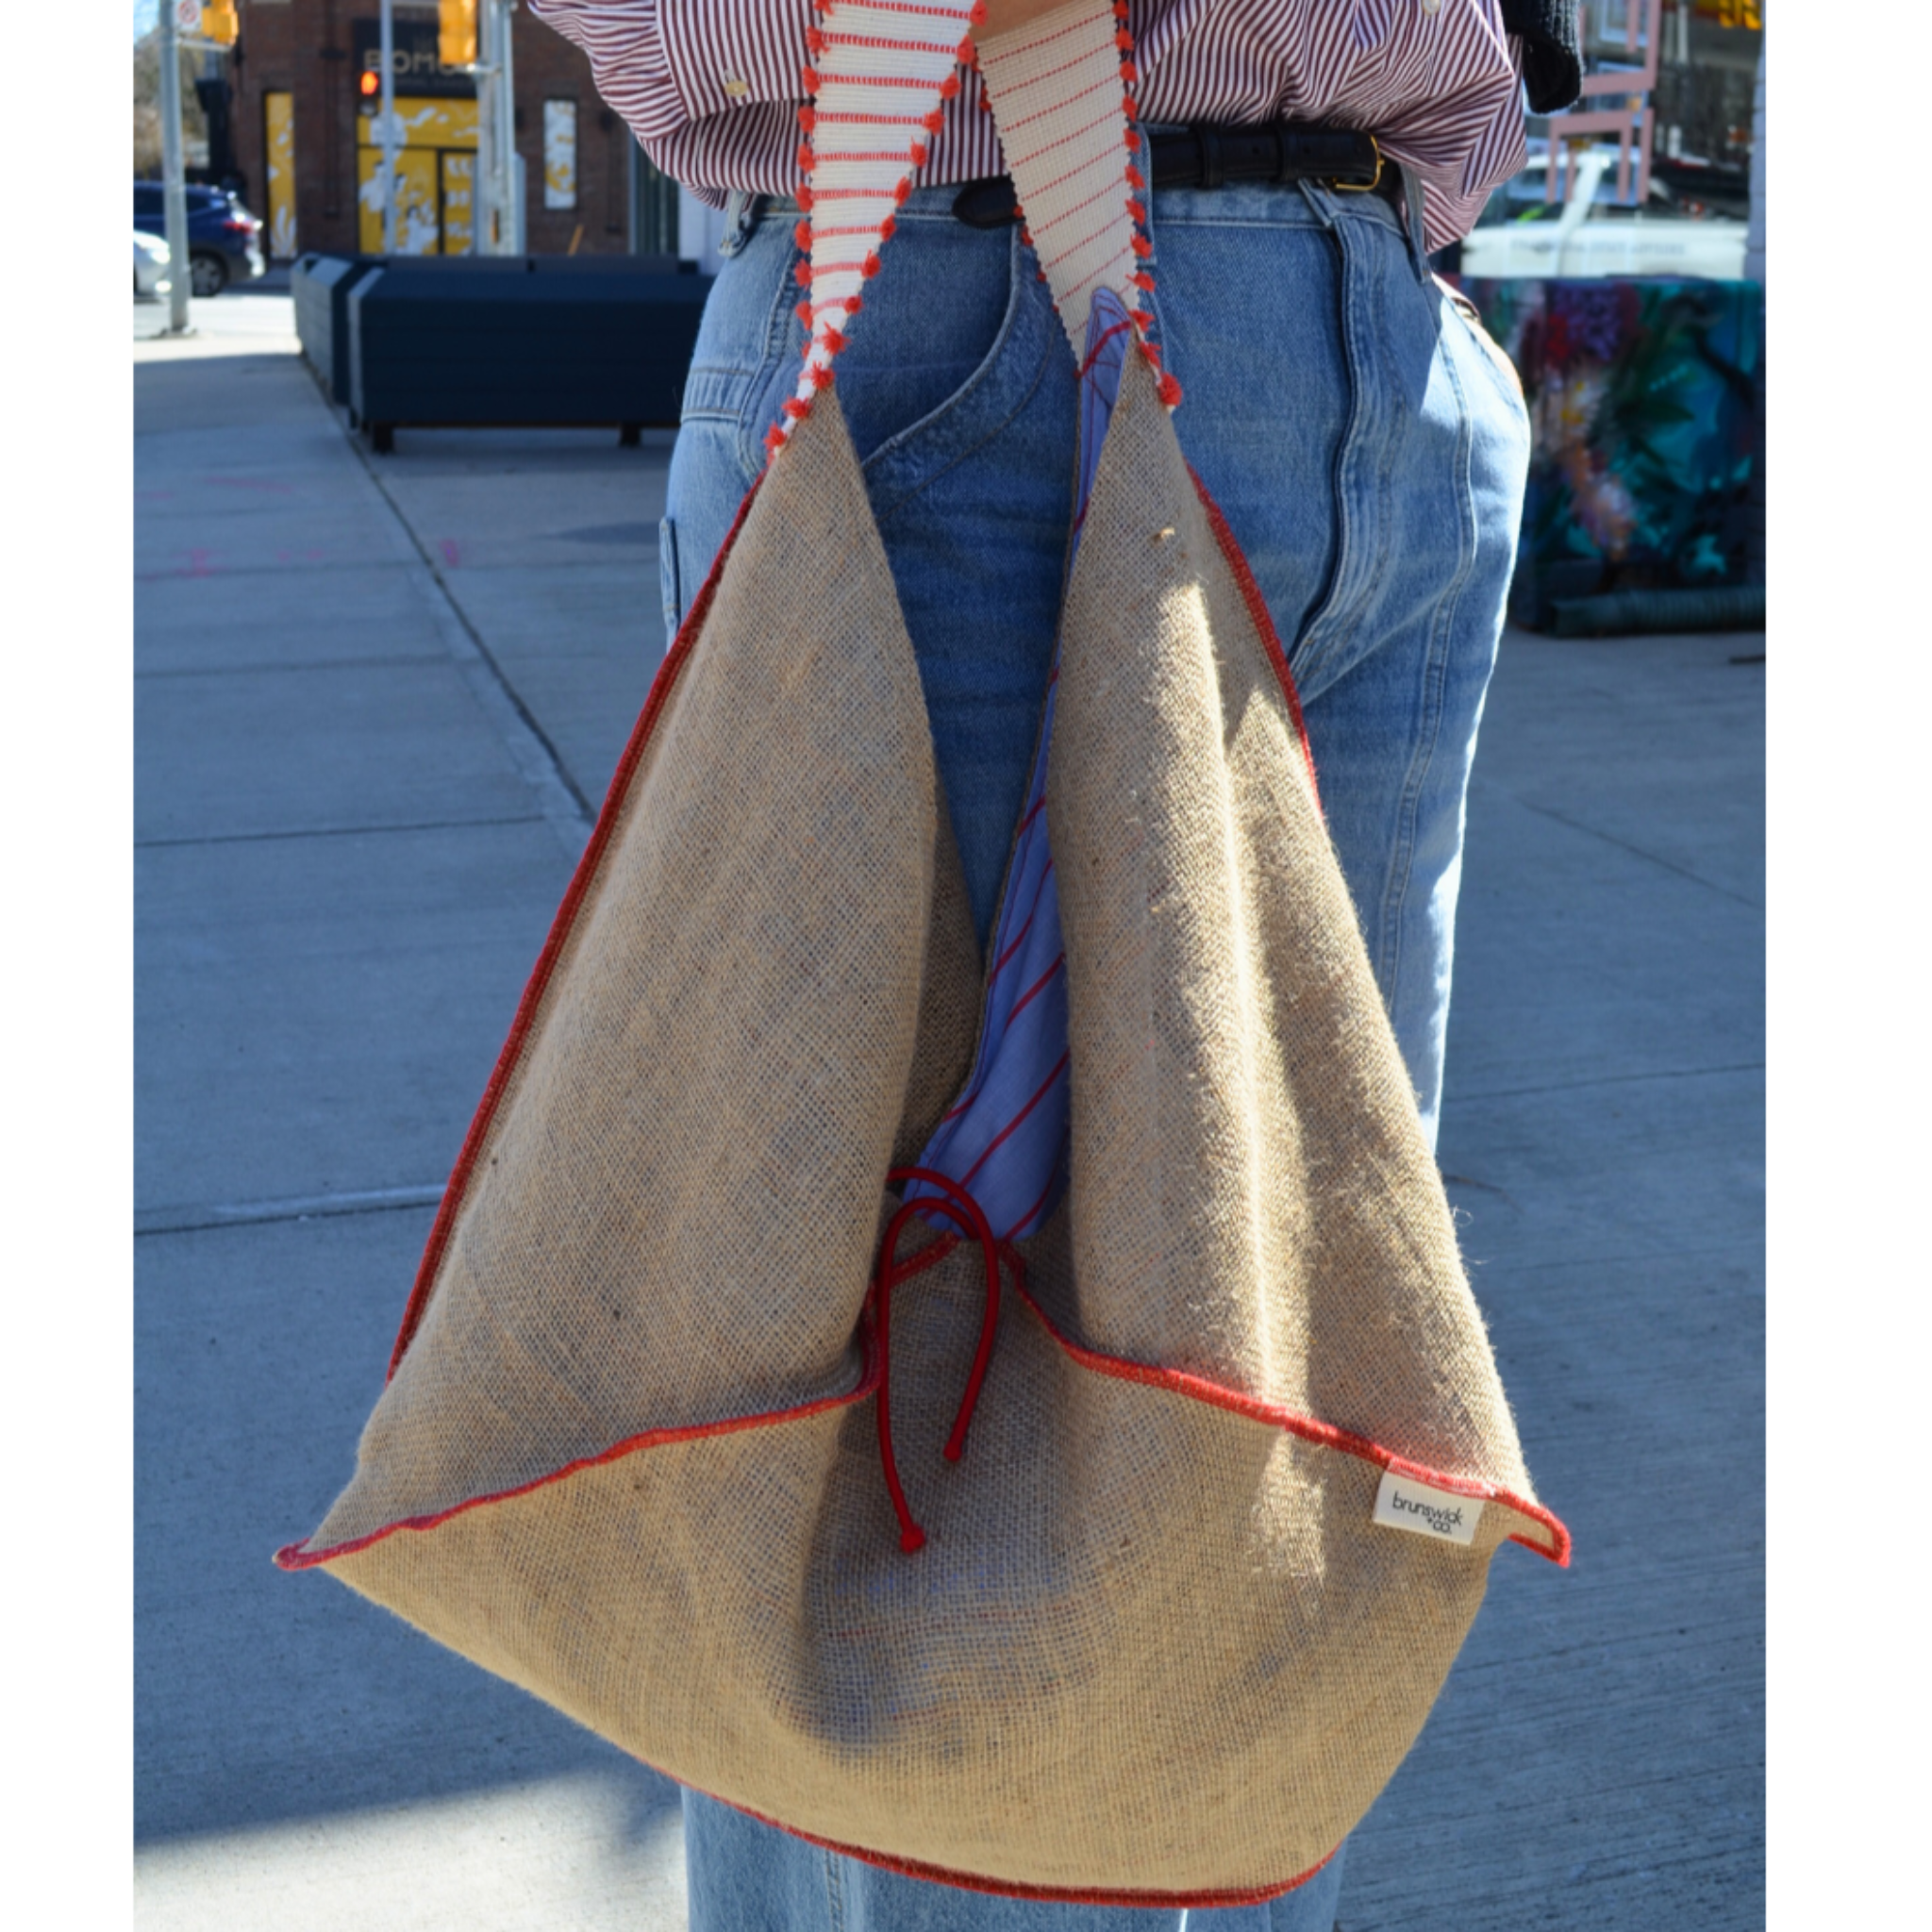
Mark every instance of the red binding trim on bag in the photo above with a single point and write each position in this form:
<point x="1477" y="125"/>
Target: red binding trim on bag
<point x="1258" y="610"/>
<point x="658" y="698"/>
<point x="966" y="1881"/>
<point x="1237" y="1402"/>
<point x="294" y="1557"/>
<point x="1007" y="1888"/>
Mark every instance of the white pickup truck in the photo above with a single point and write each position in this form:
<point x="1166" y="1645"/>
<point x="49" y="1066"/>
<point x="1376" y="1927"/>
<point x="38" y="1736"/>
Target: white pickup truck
<point x="1587" y="236"/>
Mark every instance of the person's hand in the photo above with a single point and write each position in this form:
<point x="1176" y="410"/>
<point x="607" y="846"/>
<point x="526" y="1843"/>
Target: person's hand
<point x="1003" y="16"/>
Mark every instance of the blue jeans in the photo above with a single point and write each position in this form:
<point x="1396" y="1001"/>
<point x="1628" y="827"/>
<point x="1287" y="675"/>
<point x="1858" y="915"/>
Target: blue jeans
<point x="744" y="1877"/>
<point x="1368" y="444"/>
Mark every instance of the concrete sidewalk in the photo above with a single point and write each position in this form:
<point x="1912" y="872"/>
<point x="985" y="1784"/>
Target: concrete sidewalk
<point x="377" y="700"/>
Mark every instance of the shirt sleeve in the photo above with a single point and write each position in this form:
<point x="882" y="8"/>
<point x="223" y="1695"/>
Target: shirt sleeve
<point x="1462" y="143"/>
<point x="625" y="44"/>
<point x="709" y="87"/>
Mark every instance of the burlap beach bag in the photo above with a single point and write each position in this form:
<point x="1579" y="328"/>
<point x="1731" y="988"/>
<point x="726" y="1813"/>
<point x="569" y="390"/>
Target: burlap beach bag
<point x="1019" y="1420"/>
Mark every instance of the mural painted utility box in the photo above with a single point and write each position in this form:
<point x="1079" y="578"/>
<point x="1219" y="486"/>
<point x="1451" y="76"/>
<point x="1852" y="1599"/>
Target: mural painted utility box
<point x="1647" y="402"/>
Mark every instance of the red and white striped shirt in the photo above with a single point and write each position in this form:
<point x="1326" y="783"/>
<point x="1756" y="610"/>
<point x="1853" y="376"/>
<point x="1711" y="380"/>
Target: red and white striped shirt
<point x="712" y="87"/>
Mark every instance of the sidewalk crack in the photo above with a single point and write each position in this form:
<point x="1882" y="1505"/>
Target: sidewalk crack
<point x="537" y="758"/>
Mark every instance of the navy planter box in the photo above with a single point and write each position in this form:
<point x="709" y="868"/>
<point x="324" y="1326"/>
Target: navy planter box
<point x="321" y="285"/>
<point x="531" y="341"/>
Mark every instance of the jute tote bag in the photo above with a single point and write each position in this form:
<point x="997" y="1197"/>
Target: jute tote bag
<point x="1019" y="1420"/>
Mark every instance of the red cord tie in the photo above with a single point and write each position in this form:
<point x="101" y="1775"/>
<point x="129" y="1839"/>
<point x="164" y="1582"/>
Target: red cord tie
<point x="962" y="1207"/>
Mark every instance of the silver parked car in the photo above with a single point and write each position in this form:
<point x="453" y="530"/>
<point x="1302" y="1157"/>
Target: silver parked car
<point x="151" y="259"/>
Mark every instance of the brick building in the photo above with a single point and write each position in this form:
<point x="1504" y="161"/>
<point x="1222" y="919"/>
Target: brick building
<point x="302" y="133"/>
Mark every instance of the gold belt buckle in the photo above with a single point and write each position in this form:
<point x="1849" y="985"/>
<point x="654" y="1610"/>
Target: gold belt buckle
<point x="1368" y="187"/>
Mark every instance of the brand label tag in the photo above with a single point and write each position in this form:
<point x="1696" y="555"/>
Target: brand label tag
<point x="1402" y="1503"/>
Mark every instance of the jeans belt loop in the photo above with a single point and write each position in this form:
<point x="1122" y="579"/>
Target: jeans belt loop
<point x="742" y="213"/>
<point x="1320" y="197"/>
<point x="1412" y="208"/>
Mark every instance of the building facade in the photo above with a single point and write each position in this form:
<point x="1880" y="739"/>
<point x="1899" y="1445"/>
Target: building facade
<point x="305" y="79"/>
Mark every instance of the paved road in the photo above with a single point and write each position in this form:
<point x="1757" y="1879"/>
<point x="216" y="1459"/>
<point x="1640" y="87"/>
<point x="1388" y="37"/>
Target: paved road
<point x="375" y="699"/>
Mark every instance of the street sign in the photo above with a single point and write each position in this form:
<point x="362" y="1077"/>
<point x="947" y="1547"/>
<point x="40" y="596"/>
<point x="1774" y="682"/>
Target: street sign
<point x="188" y="16"/>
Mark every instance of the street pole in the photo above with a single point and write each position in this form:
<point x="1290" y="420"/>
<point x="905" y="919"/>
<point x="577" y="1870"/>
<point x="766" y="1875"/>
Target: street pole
<point x="509" y="163"/>
<point x="174" y="175"/>
<point x="389" y="127"/>
<point x="483" y="175"/>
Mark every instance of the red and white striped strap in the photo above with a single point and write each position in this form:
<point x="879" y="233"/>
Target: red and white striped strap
<point x="881" y="70"/>
<point x="1061" y="92"/>
<point x="1062" y="89"/>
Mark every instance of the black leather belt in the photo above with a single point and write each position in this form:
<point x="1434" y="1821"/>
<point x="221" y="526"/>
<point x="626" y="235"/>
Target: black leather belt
<point x="1201" y="156"/>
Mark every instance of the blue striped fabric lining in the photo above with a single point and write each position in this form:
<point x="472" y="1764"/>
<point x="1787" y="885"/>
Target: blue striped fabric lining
<point x="1005" y="1138"/>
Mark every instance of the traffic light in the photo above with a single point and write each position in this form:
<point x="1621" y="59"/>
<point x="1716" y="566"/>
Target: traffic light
<point x="220" y="22"/>
<point x="455" y="32"/>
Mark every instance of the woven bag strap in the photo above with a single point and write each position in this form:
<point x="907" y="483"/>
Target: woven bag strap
<point x="1060" y="91"/>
